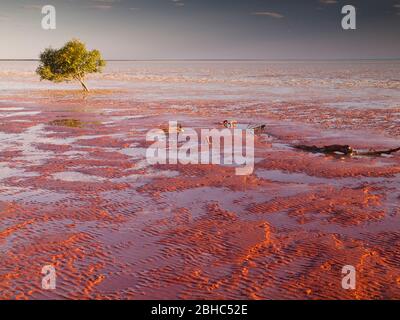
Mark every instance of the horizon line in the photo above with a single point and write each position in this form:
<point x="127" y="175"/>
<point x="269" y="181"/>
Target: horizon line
<point x="221" y="59"/>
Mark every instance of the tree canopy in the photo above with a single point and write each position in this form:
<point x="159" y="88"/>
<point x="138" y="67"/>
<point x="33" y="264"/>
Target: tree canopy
<point x="71" y="62"/>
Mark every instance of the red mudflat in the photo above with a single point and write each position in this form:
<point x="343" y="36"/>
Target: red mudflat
<point x="84" y="199"/>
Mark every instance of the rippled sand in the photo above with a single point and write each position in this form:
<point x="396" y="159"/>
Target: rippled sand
<point x="80" y="195"/>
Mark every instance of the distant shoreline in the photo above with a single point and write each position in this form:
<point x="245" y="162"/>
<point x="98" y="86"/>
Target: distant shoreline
<point x="221" y="60"/>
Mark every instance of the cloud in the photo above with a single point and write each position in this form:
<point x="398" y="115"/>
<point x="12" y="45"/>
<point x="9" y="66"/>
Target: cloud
<point x="268" y="14"/>
<point x="4" y="17"/>
<point x="328" y="1"/>
<point x="103" y="4"/>
<point x="397" y="7"/>
<point x="178" y="3"/>
<point x="32" y="7"/>
<point x="101" y="7"/>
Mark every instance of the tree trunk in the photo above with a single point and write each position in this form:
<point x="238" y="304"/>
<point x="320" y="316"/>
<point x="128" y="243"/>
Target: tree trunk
<point x="85" y="88"/>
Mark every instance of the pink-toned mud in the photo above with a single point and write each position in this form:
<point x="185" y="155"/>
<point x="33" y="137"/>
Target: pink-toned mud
<point x="84" y="199"/>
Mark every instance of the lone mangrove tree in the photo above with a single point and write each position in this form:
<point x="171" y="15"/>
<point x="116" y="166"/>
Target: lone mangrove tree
<point x="71" y="62"/>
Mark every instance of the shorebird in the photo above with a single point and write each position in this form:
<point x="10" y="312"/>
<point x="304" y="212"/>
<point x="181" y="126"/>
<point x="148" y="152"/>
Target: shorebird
<point x="177" y="129"/>
<point x="229" y="123"/>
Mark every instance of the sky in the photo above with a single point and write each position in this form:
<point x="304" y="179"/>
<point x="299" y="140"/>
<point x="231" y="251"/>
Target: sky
<point x="205" y="29"/>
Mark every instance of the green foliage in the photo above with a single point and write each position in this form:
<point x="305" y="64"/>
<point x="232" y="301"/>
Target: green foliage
<point x="71" y="62"/>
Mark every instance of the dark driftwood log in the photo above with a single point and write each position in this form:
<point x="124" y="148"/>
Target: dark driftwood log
<point x="343" y="149"/>
<point x="336" y="148"/>
<point x="378" y="153"/>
